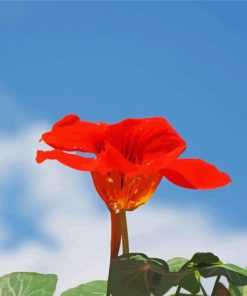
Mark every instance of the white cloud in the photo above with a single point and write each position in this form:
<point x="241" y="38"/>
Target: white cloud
<point x="67" y="203"/>
<point x="11" y="113"/>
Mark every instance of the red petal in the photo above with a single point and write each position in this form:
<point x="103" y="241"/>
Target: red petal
<point x="72" y="134"/>
<point x="154" y="162"/>
<point x="112" y="159"/>
<point x="74" y="161"/>
<point x="195" y="174"/>
<point x="135" y="138"/>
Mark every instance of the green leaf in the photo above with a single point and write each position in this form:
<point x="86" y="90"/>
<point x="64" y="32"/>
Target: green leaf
<point x="234" y="274"/>
<point x="28" y="283"/>
<point x="190" y="282"/>
<point x="238" y="290"/>
<point x="202" y="259"/>
<point x="137" y="275"/>
<point x="175" y="264"/>
<point x="209" y="265"/>
<point x="95" y="288"/>
<point x="186" y="294"/>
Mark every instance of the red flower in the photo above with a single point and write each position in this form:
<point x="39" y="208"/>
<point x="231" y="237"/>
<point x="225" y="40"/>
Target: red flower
<point x="131" y="157"/>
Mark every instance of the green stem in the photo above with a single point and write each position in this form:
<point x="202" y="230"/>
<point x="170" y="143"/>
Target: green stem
<point x="215" y="285"/>
<point x="203" y="290"/>
<point x="178" y="290"/>
<point x="124" y="232"/>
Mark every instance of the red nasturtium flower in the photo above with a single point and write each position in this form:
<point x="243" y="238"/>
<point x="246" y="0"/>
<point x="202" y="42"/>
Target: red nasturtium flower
<point x="131" y="157"/>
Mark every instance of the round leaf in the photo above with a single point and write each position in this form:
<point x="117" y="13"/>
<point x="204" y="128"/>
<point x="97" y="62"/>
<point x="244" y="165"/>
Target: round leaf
<point x="190" y="282"/>
<point x="238" y="290"/>
<point x="28" y="283"/>
<point x="175" y="264"/>
<point x="137" y="275"/>
<point x="234" y="274"/>
<point x="200" y="259"/>
<point x="89" y="289"/>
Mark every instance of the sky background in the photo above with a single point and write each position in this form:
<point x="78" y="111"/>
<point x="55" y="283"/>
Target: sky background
<point x="106" y="61"/>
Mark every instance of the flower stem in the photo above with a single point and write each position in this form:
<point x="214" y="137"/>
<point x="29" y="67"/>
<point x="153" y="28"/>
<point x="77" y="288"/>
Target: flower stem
<point x="115" y="240"/>
<point x="108" y="292"/>
<point x="124" y="232"/>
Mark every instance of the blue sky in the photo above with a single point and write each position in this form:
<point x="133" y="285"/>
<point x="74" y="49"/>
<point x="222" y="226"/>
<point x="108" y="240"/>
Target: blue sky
<point x="105" y="61"/>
